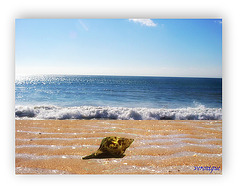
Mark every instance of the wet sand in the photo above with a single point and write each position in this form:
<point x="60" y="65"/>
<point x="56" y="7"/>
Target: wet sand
<point x="159" y="147"/>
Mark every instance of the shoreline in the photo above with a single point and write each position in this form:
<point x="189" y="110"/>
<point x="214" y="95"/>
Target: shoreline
<point x="159" y="147"/>
<point x="52" y="112"/>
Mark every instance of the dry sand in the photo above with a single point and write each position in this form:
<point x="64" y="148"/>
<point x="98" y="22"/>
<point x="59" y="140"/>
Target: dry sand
<point x="159" y="147"/>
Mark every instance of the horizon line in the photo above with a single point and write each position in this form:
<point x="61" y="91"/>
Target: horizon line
<point x="61" y="74"/>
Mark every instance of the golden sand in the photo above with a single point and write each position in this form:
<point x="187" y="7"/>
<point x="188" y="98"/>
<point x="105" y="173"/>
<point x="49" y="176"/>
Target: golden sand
<point x="159" y="147"/>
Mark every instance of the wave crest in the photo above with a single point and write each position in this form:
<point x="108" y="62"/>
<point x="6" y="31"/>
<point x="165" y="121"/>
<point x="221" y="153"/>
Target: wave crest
<point x="117" y="113"/>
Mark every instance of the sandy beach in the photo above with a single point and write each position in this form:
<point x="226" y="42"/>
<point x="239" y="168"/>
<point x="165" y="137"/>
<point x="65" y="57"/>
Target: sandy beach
<point x="159" y="147"/>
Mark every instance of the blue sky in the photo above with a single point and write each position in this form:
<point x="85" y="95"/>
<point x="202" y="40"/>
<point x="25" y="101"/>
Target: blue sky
<point x="148" y="47"/>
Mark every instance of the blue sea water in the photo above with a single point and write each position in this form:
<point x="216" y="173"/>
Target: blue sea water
<point x="117" y="97"/>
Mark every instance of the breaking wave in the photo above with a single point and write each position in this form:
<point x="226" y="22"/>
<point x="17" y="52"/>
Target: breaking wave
<point x="117" y="113"/>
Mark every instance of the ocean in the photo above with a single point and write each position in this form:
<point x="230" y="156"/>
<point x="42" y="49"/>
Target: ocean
<point x="117" y="97"/>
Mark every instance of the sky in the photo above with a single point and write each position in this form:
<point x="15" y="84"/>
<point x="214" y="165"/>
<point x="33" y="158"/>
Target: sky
<point x="131" y="47"/>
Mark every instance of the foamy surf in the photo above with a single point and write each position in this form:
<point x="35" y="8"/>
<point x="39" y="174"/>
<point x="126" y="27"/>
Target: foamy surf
<point x="116" y="113"/>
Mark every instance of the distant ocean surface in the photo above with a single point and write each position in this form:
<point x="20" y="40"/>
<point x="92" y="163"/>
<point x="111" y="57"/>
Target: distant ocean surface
<point x="117" y="97"/>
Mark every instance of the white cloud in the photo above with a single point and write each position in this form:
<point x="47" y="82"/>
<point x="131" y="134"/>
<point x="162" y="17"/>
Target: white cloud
<point x="218" y="21"/>
<point x="144" y="22"/>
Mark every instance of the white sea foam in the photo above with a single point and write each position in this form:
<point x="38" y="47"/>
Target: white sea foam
<point x="118" y="113"/>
